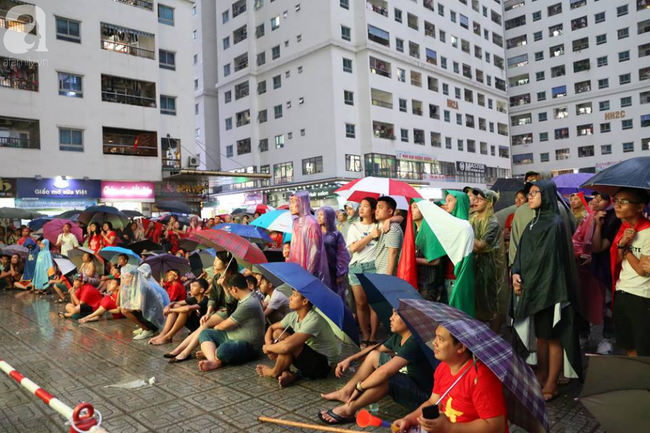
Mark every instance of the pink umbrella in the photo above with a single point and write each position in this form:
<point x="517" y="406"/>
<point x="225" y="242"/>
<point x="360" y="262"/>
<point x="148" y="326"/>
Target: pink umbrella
<point x="54" y="228"/>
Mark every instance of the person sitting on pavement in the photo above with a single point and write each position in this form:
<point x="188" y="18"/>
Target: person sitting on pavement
<point x="238" y="338"/>
<point x="175" y="289"/>
<point x="108" y="304"/>
<point x="184" y="313"/>
<point x="84" y="299"/>
<point x="113" y="273"/>
<point x="140" y="303"/>
<point x="275" y="304"/>
<point x="12" y="271"/>
<point x="398" y="367"/>
<point x="476" y="400"/>
<point x="89" y="270"/>
<point x="311" y="346"/>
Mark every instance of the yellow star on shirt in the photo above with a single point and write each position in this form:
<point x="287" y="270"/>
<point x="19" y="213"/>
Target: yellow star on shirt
<point x="450" y="412"/>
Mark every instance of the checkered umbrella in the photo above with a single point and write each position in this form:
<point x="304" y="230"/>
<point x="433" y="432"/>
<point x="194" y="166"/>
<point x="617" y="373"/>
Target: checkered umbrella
<point x="239" y="247"/>
<point x="524" y="400"/>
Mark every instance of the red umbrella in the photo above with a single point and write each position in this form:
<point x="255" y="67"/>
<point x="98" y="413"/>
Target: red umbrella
<point x="259" y="208"/>
<point x="283" y="207"/>
<point x="54" y="228"/>
<point x="239" y="247"/>
<point x="375" y="187"/>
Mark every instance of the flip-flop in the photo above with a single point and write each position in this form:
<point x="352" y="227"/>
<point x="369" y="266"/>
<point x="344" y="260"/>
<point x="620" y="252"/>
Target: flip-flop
<point x="176" y="360"/>
<point x="61" y="315"/>
<point x="553" y="396"/>
<point x="169" y="355"/>
<point x="338" y="419"/>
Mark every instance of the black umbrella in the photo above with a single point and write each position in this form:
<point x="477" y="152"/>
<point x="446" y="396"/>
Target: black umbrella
<point x="71" y="215"/>
<point x="174" y="206"/>
<point x="148" y="245"/>
<point x="633" y="173"/>
<point x="131" y="213"/>
<point x="103" y="214"/>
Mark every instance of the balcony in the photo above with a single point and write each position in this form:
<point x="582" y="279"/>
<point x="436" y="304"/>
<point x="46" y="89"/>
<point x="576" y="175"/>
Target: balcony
<point x="519" y="100"/>
<point x="18" y="133"/>
<point x="383" y="130"/>
<point x="126" y="91"/>
<point x="378" y="6"/>
<point x="18" y="74"/>
<point x="142" y="4"/>
<point x="239" y="35"/>
<point x="22" y="24"/>
<point x="238" y="8"/>
<point x="378" y="35"/>
<point x="171" y="153"/>
<point x="241" y="62"/>
<point x="131" y="142"/>
<point x="381" y="99"/>
<point x="501" y="107"/>
<point x="380" y="67"/>
<point x="128" y="41"/>
<point x="519" y="80"/>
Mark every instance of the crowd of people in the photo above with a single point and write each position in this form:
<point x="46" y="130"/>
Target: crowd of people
<point x="561" y="274"/>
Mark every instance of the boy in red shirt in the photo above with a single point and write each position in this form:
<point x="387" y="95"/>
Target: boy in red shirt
<point x="108" y="303"/>
<point x="175" y="289"/>
<point x="85" y="299"/>
<point x="476" y="401"/>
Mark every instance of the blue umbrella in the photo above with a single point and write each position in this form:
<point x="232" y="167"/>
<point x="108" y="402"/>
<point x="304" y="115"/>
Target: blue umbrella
<point x="111" y="254"/>
<point x="384" y="293"/>
<point x="329" y="304"/>
<point x="252" y="233"/>
<point x="38" y="223"/>
<point x="633" y="173"/>
<point x="277" y="220"/>
<point x="570" y="183"/>
<point x="71" y="215"/>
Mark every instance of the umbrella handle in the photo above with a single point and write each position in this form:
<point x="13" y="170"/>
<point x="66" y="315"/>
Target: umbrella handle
<point x="455" y="383"/>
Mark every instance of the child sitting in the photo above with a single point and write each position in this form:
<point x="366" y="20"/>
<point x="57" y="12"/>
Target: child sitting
<point x="275" y="304"/>
<point x="174" y="287"/>
<point x="108" y="303"/>
<point x="84" y="299"/>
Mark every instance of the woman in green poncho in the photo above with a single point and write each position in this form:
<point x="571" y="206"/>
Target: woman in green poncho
<point x="429" y="272"/>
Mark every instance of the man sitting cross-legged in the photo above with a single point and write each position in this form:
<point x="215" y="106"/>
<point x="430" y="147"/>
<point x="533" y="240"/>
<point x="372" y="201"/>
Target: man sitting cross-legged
<point x="238" y="338"/>
<point x="312" y="347"/>
<point x="398" y="368"/>
<point x="185" y="313"/>
<point x="84" y="299"/>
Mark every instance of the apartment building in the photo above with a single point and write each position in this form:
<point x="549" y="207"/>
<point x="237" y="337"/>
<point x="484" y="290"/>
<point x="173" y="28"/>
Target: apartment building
<point x="319" y="92"/>
<point x="579" y="83"/>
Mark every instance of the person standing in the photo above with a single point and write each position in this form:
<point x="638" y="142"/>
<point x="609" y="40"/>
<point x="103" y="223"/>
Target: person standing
<point x="66" y="241"/>
<point x="94" y="238"/>
<point x="428" y="271"/>
<point x="109" y="237"/>
<point x="338" y="257"/>
<point x="390" y="242"/>
<point x="307" y="246"/>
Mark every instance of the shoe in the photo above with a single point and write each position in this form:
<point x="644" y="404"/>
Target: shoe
<point x="138" y="331"/>
<point x="144" y="335"/>
<point x="605" y="347"/>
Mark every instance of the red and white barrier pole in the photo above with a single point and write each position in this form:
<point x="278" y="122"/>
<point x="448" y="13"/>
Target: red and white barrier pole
<point x="78" y="422"/>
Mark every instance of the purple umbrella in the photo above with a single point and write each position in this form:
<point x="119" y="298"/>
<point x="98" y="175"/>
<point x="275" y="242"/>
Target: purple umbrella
<point x="163" y="263"/>
<point x="570" y="183"/>
<point x="16" y="249"/>
<point x="524" y="401"/>
<point x="54" y="228"/>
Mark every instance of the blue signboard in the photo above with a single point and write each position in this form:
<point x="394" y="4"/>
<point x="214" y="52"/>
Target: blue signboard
<point x="59" y="188"/>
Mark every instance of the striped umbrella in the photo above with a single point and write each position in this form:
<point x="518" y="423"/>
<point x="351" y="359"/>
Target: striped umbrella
<point x="239" y="247"/>
<point x="376" y="187"/>
<point x="259" y="208"/>
<point x="276" y="220"/>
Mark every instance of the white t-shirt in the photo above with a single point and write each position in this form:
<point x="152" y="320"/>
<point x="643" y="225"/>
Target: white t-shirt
<point x="278" y="302"/>
<point x="629" y="281"/>
<point x="68" y="242"/>
<point x="358" y="231"/>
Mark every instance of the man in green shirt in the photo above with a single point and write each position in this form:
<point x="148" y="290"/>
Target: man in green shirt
<point x="398" y="367"/>
<point x="310" y="346"/>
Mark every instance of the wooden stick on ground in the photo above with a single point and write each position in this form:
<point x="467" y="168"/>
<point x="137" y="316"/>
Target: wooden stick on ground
<point x="305" y="425"/>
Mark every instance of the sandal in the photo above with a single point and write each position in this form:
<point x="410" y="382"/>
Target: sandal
<point x="176" y="360"/>
<point x="338" y="419"/>
<point x="61" y="315"/>
<point x="169" y="355"/>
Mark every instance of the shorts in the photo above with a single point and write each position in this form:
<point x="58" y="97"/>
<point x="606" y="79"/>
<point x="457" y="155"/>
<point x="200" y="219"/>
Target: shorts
<point x="632" y="322"/>
<point x="544" y="324"/>
<point x="193" y="321"/>
<point x="312" y="364"/>
<point x="403" y="389"/>
<point x="84" y="310"/>
<point x="229" y="351"/>
<point x="360" y="268"/>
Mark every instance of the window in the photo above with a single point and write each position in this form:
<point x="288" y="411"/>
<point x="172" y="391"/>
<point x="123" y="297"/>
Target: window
<point x="225" y="17"/>
<point x="121" y="142"/>
<point x="521" y="159"/>
<point x="537" y="16"/>
<point x="275" y="23"/>
<point x="601" y="39"/>
<point x="404" y="135"/>
<point x="70" y="85"/>
<point x="345" y="4"/>
<point x="352" y="162"/>
<point x="645" y="144"/>
<point x="623" y="33"/>
<point x="378" y="35"/>
<point x="644" y="50"/>
<point x="584" y="108"/>
<point x="628" y="147"/>
<point x="621" y="10"/>
<point x="312" y="165"/>
<point x="599" y="17"/>
<point x="561" y="133"/>
<point x="606" y="149"/>
<point x="350" y="130"/>
<point x="71" y="140"/>
<point x="230" y="151"/>
<point x="347" y="65"/>
<point x="555" y="9"/>
<point x="275" y="52"/>
<point x="168" y="105"/>
<point x="543" y="157"/>
<point x="346" y="33"/>
<point x="605" y="128"/>
<point x="348" y="97"/>
<point x="625" y="78"/>
<point x="277" y="111"/>
<point x="227" y="96"/>
<point x="543" y="136"/>
<point x="603" y="106"/>
<point x="243" y="146"/>
<point x="559" y="92"/>
<point x="624" y="56"/>
<point x="261" y="87"/>
<point x="283" y="173"/>
<point x="261" y="59"/>
<point x="626" y="101"/>
<point x="586" y="151"/>
<point x="561" y="154"/>
<point x="626" y="124"/>
<point x="259" y="31"/>
<point x="68" y="30"/>
<point x="583" y="130"/>
<point x="542" y="117"/>
<point x="579" y="23"/>
<point x="602" y="61"/>
<point x="279" y="141"/>
<point x="644" y="98"/>
<point x="263" y="147"/>
<point x="537" y="36"/>
<point x="581" y="65"/>
<point x="165" y="15"/>
<point x="582" y="86"/>
<point x="262" y="116"/>
<point x="277" y="81"/>
<point x="243" y="118"/>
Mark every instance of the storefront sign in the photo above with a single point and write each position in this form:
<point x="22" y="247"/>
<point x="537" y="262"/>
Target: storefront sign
<point x="470" y="167"/>
<point x="600" y="166"/>
<point x="59" y="188"/>
<point x="186" y="192"/>
<point x="7" y="188"/>
<point x="615" y="115"/>
<point x="406" y="156"/>
<point x="139" y="191"/>
<point x="54" y="203"/>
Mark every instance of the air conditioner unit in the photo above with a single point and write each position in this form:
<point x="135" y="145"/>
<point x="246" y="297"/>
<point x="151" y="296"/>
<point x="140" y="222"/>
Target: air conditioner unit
<point x="193" y="161"/>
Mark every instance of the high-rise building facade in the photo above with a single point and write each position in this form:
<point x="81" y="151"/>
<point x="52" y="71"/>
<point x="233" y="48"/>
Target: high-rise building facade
<point x="317" y="92"/>
<point x="579" y="83"/>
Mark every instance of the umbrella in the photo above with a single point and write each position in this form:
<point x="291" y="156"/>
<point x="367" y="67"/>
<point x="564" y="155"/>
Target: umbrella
<point x="23" y="252"/>
<point x="147" y="244"/>
<point x="112" y="253"/>
<point x="104" y="214"/>
<point x="13" y="213"/>
<point x="619" y="401"/>
<point x="190" y="244"/>
<point x="76" y="254"/>
<point x="283" y="207"/>
<point x="38" y="223"/>
<point x="224" y="241"/>
<point x="201" y="260"/>
<point x="375" y="187"/>
<point x="54" y="228"/>
<point x="570" y="183"/>
<point x="163" y="263"/>
<point x="328" y="303"/>
<point x="132" y="213"/>
<point x="164" y="219"/>
<point x="507" y="189"/>
<point x="524" y="401"/>
<point x="72" y="215"/>
<point x="174" y="206"/>
<point x="64" y="264"/>
<point x="276" y="220"/>
<point x="259" y="208"/>
<point x="252" y="233"/>
<point x="633" y="173"/>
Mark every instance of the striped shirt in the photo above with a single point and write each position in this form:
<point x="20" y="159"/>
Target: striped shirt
<point x="393" y="238"/>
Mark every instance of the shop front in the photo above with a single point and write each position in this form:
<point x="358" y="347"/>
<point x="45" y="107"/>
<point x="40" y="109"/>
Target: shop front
<point x="321" y="194"/>
<point x="8" y="189"/>
<point x="54" y="196"/>
<point x="190" y="191"/>
<point x="229" y="202"/>
<point x="136" y="196"/>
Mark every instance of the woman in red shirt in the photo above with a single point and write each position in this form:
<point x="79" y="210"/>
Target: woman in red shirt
<point x="109" y="237"/>
<point x="94" y="239"/>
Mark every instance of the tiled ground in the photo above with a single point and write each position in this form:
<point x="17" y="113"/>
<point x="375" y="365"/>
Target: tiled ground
<point x="76" y="363"/>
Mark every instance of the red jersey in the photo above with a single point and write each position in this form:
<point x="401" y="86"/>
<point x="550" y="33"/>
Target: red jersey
<point x="478" y="395"/>
<point x="89" y="294"/>
<point x="176" y="291"/>
<point x="109" y="302"/>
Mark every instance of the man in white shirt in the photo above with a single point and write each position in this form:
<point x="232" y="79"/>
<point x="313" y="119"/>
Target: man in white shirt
<point x="66" y="241"/>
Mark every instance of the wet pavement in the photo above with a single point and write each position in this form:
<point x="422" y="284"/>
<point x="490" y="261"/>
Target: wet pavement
<point x="76" y="362"/>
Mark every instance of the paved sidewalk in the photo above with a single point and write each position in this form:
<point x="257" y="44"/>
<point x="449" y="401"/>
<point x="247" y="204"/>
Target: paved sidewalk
<point x="76" y="362"/>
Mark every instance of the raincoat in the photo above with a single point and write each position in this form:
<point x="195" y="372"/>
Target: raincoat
<point x="30" y="263"/>
<point x="145" y="270"/>
<point x="307" y="246"/>
<point x="44" y="268"/>
<point x="137" y="294"/>
<point x="338" y="257"/>
<point x="350" y="219"/>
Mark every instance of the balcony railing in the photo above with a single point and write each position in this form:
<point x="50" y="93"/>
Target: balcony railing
<point x="128" y="49"/>
<point x="19" y="143"/>
<point x="122" y="98"/>
<point x="142" y="4"/>
<point x="382" y="104"/>
<point x="171" y="164"/>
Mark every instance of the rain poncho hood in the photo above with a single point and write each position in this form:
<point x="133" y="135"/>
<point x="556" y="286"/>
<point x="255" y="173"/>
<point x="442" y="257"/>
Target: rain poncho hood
<point x="146" y="272"/>
<point x="345" y="227"/>
<point x="44" y="267"/>
<point x="338" y="257"/>
<point x="461" y="210"/>
<point x="137" y="294"/>
<point x="307" y="246"/>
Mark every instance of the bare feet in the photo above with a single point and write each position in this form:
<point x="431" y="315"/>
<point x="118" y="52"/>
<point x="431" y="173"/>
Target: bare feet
<point x="339" y="395"/>
<point x="210" y="365"/>
<point x="286" y="379"/>
<point x="199" y="355"/>
<point x="264" y="371"/>
<point x="550" y="393"/>
<point x="159" y="341"/>
<point x="88" y="319"/>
